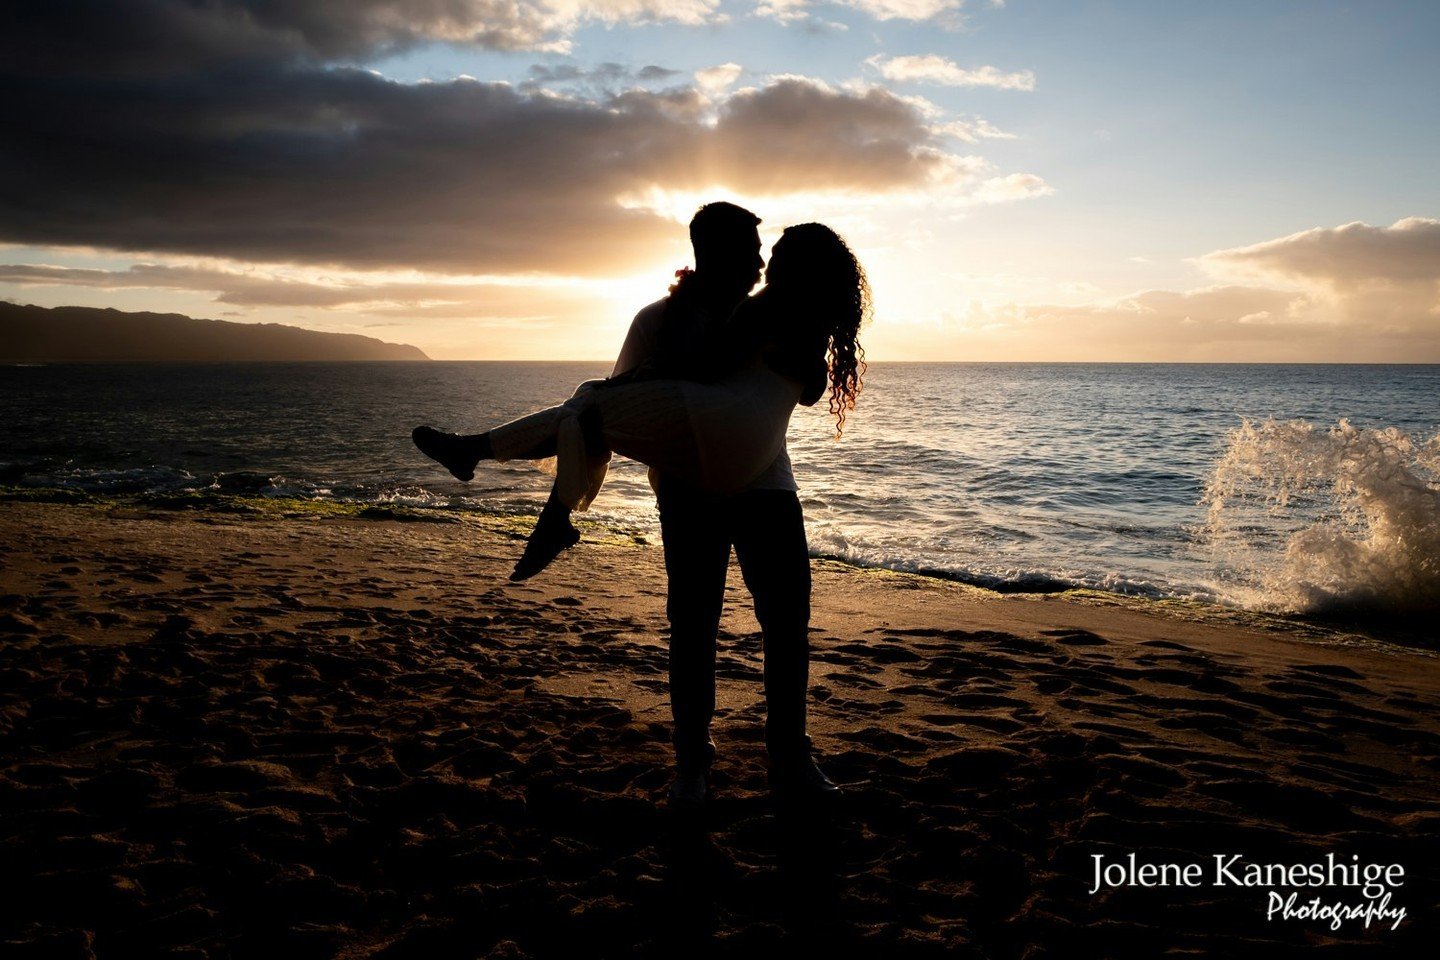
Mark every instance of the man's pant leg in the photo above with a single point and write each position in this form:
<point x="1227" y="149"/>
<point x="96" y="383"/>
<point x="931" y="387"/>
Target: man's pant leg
<point x="697" y="554"/>
<point x="768" y="528"/>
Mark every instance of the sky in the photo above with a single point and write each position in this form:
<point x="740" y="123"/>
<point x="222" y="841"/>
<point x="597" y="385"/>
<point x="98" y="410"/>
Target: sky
<point x="511" y="179"/>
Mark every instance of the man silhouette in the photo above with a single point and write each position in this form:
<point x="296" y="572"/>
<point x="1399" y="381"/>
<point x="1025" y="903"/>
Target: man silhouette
<point x="763" y="523"/>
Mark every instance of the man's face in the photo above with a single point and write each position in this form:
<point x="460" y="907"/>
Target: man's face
<point x="733" y="259"/>
<point x="747" y="268"/>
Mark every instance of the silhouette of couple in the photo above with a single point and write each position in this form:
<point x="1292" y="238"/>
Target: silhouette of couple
<point x="702" y="393"/>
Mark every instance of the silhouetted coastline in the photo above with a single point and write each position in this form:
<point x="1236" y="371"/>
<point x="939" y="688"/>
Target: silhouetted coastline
<point x="31" y="334"/>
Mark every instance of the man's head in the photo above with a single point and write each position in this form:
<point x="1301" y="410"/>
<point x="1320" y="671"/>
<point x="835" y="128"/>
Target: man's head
<point x="727" y="245"/>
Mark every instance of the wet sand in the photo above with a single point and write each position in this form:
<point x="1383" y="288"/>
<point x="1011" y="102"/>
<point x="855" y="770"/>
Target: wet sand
<point x="235" y="736"/>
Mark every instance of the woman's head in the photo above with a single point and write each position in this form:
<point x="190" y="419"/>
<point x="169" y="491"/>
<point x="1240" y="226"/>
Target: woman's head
<point x="811" y="267"/>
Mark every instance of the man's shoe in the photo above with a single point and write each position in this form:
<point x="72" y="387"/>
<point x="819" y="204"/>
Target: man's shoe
<point x="801" y="779"/>
<point x="690" y="788"/>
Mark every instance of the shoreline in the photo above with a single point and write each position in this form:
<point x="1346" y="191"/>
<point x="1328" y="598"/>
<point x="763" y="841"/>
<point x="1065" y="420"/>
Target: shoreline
<point x="1395" y="633"/>
<point x="230" y="734"/>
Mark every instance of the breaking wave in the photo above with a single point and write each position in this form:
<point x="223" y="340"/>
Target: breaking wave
<point x="1337" y="519"/>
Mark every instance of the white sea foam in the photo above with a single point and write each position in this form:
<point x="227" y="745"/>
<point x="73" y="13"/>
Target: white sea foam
<point x="1307" y="518"/>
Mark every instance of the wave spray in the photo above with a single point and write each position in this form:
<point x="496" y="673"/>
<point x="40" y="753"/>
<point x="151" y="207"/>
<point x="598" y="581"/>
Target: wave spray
<point x="1326" y="520"/>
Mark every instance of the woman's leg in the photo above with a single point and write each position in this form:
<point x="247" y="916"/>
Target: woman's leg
<point x="531" y="437"/>
<point x="650" y="424"/>
<point x="459" y="453"/>
<point x="648" y="421"/>
<point x="554" y="533"/>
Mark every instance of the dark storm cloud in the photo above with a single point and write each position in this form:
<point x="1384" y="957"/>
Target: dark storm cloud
<point x="119" y="135"/>
<point x="604" y="73"/>
<point x="111" y="38"/>
<point x="795" y="134"/>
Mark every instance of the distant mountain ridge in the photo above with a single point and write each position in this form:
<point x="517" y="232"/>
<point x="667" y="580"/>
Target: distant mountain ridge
<point x="31" y="334"/>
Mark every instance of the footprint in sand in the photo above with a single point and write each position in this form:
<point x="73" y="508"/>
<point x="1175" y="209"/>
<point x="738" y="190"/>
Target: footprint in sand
<point x="1075" y="638"/>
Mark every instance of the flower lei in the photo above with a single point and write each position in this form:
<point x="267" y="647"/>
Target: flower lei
<point x="681" y="275"/>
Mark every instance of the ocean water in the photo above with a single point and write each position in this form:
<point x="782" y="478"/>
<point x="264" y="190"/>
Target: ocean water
<point x="1277" y="487"/>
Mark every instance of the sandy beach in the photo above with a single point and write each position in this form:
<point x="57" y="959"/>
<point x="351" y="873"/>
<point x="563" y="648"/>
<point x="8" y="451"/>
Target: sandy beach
<point x="233" y="735"/>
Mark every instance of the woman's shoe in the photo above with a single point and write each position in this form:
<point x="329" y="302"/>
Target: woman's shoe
<point x="546" y="543"/>
<point x="450" y="450"/>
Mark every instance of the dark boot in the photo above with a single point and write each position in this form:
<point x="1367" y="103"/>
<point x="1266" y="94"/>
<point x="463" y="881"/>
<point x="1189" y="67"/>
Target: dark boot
<point x="454" y="452"/>
<point x="552" y="536"/>
<point x="799" y="778"/>
<point x="690" y="788"/>
<point x="694" y="754"/>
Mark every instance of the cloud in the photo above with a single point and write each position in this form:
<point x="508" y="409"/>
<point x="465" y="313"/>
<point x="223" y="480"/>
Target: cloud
<point x="798" y="11"/>
<point x="797" y="134"/>
<point x="1209" y="324"/>
<point x="158" y="37"/>
<point x="784" y="11"/>
<point x="430" y="297"/>
<point x="1230" y="324"/>
<point x="238" y="287"/>
<point x="903" y="9"/>
<point x="1353" y="293"/>
<point x="252" y="287"/>
<point x="235" y="150"/>
<point x="934" y="69"/>
<point x="1379" y="278"/>
<point x="974" y="129"/>
<point x="340" y="166"/>
<point x="1345" y="257"/>
<point x="602" y="77"/>
<point x="1016" y="186"/>
<point x="714" y="81"/>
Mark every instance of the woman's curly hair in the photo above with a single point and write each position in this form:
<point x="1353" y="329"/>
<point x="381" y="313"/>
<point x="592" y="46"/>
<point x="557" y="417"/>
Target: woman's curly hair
<point x="815" y="260"/>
